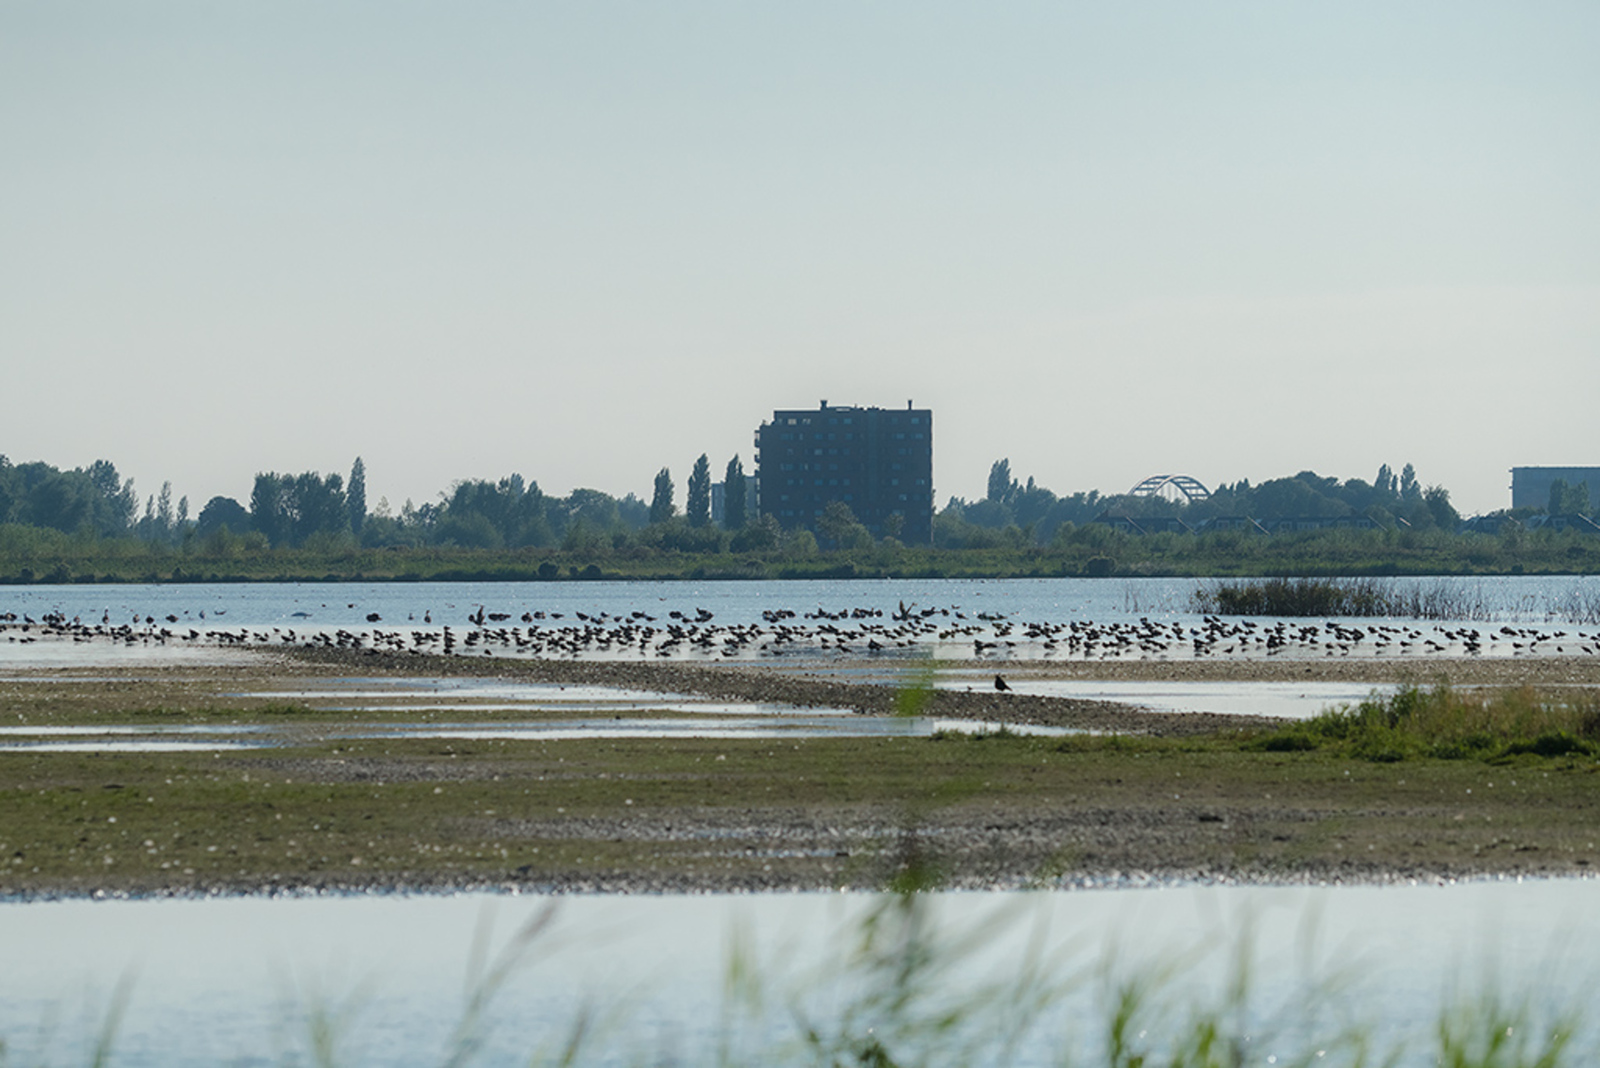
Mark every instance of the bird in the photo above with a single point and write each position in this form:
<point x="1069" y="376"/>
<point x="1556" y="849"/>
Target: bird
<point x="1000" y="684"/>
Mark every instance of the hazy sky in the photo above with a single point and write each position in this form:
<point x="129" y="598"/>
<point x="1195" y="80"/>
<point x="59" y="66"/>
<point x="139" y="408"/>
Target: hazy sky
<point x="584" y="241"/>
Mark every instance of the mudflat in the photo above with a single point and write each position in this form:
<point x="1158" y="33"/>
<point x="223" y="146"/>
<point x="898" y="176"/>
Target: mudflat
<point x="1139" y="795"/>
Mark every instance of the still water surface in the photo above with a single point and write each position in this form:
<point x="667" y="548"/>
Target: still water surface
<point x="216" y="980"/>
<point x="1506" y="598"/>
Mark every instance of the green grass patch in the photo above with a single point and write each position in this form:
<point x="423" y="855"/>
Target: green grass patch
<point x="1449" y="724"/>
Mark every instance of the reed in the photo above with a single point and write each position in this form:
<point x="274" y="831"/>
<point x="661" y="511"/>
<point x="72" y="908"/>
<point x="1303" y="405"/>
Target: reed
<point x="1295" y="597"/>
<point x="1328" y="597"/>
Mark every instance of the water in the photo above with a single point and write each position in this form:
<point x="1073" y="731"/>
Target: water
<point x="794" y="622"/>
<point x="1292" y="700"/>
<point x="1525" y="599"/>
<point x="216" y="980"/>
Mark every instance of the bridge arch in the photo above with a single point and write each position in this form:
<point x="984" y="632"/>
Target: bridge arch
<point x="1171" y="486"/>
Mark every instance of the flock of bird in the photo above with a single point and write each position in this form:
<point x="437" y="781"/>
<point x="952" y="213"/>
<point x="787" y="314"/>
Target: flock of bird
<point x="854" y="631"/>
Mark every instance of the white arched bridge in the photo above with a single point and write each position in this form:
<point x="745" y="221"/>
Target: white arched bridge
<point x="1171" y="486"/>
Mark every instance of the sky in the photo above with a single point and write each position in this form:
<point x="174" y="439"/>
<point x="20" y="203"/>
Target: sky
<point x="581" y="242"/>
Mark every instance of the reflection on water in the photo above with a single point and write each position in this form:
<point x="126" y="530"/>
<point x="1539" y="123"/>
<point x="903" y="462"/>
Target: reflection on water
<point x="1293" y="700"/>
<point x="217" y="979"/>
<point x="421" y="708"/>
<point x="122" y="745"/>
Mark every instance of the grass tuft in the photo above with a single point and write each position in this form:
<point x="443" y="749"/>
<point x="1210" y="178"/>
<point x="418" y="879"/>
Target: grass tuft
<point x="1448" y="724"/>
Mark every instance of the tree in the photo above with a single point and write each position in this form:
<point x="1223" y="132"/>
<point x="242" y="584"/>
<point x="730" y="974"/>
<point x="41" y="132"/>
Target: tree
<point x="1437" y="498"/>
<point x="1556" y="503"/>
<point x="838" y="524"/>
<point x="268" y="510"/>
<point x="164" y="516"/>
<point x="356" y="496"/>
<point x="661" y="506"/>
<point x="318" y="506"/>
<point x="1410" y="489"/>
<point x="1385" y="483"/>
<point x="1576" y="501"/>
<point x="118" y="503"/>
<point x="222" y="512"/>
<point x="733" y="493"/>
<point x="698" y="504"/>
<point x="1568" y="498"/>
<point x="1001" y="485"/>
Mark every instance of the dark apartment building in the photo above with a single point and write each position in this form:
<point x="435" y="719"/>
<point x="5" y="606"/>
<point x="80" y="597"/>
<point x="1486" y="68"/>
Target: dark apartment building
<point x="879" y="461"/>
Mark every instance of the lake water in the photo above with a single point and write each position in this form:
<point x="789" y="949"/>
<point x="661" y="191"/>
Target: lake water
<point x="1516" y="599"/>
<point x="232" y="980"/>
<point x="798" y="623"/>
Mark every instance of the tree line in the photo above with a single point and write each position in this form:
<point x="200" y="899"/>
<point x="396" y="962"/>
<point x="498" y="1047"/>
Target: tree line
<point x="330" y="511"/>
<point x="1029" y="513"/>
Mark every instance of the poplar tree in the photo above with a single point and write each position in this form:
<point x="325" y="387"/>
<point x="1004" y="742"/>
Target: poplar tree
<point x="355" y="496"/>
<point x="661" y="507"/>
<point x="733" y="493"/>
<point x="698" y="505"/>
<point x="164" y="518"/>
<point x="1001" y="486"/>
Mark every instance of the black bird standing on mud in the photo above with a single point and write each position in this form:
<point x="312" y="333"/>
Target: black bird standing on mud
<point x="1000" y="684"/>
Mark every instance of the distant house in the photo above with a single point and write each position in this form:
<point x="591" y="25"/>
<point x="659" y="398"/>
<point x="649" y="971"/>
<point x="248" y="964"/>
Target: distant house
<point x="1297" y="523"/>
<point x="1232" y="522"/>
<point x="1150" y="524"/>
<point x="1493" y="523"/>
<point x="1580" y="523"/>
